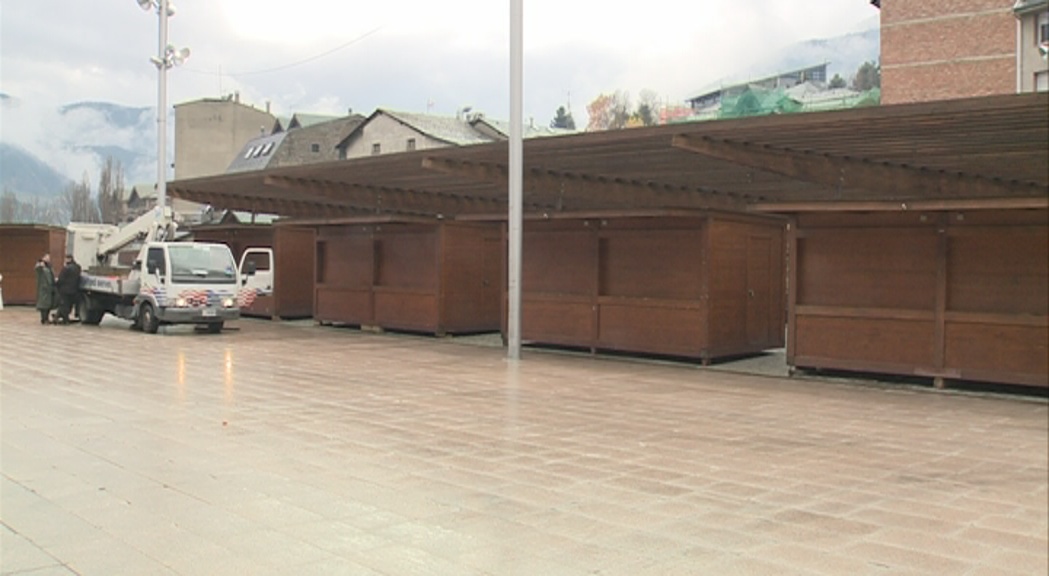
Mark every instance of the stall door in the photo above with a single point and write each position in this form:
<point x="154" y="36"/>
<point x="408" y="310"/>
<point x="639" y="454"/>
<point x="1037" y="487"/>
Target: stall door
<point x="759" y="290"/>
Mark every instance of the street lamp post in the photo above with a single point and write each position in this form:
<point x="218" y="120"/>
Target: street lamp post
<point x="515" y="180"/>
<point x="167" y="57"/>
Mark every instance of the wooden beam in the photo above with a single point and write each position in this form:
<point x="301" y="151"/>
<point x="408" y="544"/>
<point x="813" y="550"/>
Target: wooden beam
<point x="381" y="199"/>
<point x="841" y="172"/>
<point x="551" y="190"/>
<point x="902" y="206"/>
<point x="287" y="207"/>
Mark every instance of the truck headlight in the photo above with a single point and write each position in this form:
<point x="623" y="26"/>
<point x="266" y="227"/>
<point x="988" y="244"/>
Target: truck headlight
<point x="228" y="302"/>
<point x="180" y="302"/>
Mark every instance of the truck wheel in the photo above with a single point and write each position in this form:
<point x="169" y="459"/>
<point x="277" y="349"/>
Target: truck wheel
<point x="215" y="327"/>
<point x="147" y="318"/>
<point x="93" y="312"/>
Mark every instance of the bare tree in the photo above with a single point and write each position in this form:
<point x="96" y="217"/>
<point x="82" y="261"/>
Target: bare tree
<point x="8" y="207"/>
<point x="111" y="192"/>
<point x="77" y="204"/>
<point x="647" y="108"/>
<point x="37" y="211"/>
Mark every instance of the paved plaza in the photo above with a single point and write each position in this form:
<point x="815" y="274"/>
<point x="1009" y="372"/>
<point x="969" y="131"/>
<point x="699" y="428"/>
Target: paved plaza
<point x="288" y="448"/>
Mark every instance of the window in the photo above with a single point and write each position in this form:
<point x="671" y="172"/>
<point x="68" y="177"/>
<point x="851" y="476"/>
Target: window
<point x="376" y="148"/>
<point x="411" y="144"/>
<point x="155" y="261"/>
<point x="202" y="263"/>
<point x="249" y="153"/>
<point x="1042" y="30"/>
<point x="261" y="260"/>
<point x="1041" y="81"/>
<point x="315" y="148"/>
<point x="267" y="149"/>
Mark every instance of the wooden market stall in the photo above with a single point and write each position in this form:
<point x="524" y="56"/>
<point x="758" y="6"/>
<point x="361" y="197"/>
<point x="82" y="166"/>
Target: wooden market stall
<point x="689" y="284"/>
<point x="873" y="290"/>
<point x="292" y="267"/>
<point x="946" y="294"/>
<point x="21" y="245"/>
<point x="420" y="275"/>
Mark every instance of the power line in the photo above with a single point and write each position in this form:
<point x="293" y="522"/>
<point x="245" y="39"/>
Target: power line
<point x="286" y="66"/>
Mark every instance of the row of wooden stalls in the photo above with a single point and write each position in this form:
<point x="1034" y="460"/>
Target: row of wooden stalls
<point x="937" y="293"/>
<point x="690" y="284"/>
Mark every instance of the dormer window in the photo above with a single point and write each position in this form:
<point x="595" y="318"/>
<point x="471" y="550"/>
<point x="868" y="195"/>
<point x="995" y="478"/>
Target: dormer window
<point x="411" y="144"/>
<point x="376" y="149"/>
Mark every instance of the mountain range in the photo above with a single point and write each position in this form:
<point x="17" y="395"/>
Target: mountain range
<point x="52" y="148"/>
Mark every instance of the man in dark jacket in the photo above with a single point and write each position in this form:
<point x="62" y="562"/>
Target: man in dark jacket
<point x="45" y="288"/>
<point x="68" y="289"/>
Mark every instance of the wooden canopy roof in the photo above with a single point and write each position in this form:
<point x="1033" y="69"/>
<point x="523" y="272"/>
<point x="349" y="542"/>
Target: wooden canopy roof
<point x="990" y="152"/>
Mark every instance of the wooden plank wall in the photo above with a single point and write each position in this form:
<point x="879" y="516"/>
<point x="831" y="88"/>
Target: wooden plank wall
<point x="20" y="247"/>
<point x="345" y="273"/>
<point x="941" y="294"/>
<point x="437" y="278"/>
<point x="293" y="256"/>
<point x="669" y="285"/>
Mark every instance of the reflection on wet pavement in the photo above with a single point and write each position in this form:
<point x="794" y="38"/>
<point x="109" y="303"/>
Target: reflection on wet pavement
<point x="282" y="448"/>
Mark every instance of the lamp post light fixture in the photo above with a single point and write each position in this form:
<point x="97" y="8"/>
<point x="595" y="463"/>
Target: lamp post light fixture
<point x="167" y="57"/>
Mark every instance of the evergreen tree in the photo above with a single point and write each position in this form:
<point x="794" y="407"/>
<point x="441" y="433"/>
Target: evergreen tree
<point x="867" y="77"/>
<point x="563" y="119"/>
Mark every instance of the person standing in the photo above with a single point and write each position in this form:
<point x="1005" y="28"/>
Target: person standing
<point x="68" y="288"/>
<point x="45" y="287"/>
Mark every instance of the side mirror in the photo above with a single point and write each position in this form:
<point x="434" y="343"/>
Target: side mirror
<point x="250" y="268"/>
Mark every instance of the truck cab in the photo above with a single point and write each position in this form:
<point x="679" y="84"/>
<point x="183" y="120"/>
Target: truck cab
<point x="183" y="283"/>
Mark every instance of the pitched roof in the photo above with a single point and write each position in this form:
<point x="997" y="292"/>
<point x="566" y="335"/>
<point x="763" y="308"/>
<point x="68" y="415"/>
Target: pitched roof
<point x="448" y="129"/>
<point x="143" y="190"/>
<point x="1028" y="6"/>
<point x="530" y="130"/>
<point x="736" y="83"/>
<point x="300" y="120"/>
<point x="257" y="153"/>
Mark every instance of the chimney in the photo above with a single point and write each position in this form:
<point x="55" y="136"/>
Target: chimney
<point x="267" y="106"/>
<point x="236" y="96"/>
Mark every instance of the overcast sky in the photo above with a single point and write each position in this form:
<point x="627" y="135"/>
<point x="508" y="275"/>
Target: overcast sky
<point x="326" y="56"/>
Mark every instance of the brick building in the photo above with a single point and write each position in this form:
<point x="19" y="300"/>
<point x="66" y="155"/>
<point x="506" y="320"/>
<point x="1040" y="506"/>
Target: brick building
<point x="944" y="49"/>
<point x="1032" y="72"/>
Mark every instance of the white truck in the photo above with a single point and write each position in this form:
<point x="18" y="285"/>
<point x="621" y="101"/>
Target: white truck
<point x="168" y="282"/>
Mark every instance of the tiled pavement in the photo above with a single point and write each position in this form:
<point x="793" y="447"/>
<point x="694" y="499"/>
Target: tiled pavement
<point x="283" y="448"/>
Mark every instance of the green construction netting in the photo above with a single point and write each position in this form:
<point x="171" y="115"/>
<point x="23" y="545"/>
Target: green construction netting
<point x="755" y="101"/>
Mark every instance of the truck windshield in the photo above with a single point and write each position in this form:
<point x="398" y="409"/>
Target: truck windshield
<point x="202" y="264"/>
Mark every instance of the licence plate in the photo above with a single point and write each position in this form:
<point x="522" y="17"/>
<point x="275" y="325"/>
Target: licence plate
<point x="207" y="312"/>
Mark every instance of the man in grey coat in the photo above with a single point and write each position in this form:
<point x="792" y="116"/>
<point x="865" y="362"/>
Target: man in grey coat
<point x="45" y="288"/>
